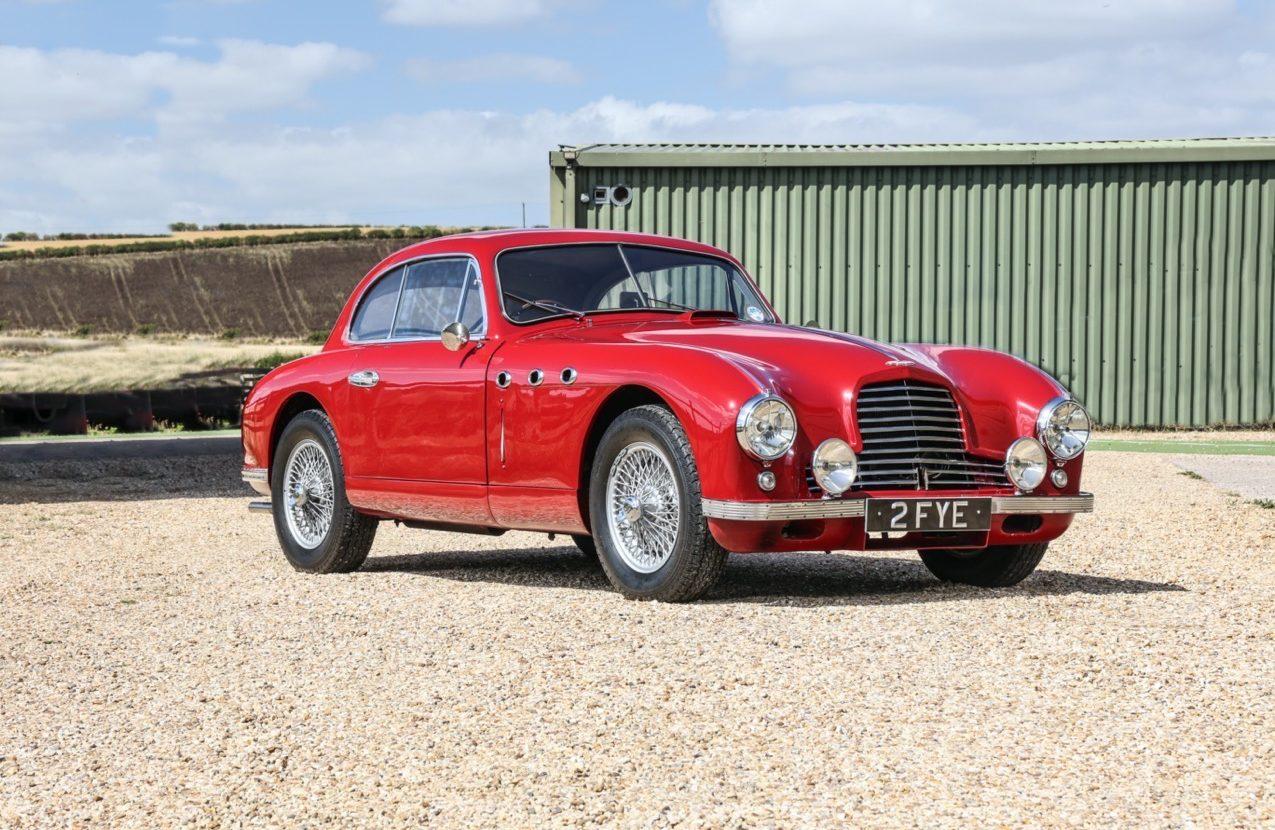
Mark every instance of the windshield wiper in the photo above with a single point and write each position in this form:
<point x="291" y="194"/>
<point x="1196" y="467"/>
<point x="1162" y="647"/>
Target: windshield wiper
<point x="669" y="303"/>
<point x="545" y="305"/>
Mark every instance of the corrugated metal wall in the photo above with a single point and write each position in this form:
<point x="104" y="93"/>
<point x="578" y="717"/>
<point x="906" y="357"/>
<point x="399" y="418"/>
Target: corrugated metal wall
<point x="1145" y="288"/>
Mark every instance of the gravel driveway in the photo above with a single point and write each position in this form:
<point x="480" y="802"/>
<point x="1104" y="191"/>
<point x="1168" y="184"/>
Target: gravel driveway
<point x="161" y="665"/>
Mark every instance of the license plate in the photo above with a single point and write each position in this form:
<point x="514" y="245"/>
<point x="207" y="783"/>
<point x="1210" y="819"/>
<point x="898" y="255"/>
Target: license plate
<point x="901" y="515"/>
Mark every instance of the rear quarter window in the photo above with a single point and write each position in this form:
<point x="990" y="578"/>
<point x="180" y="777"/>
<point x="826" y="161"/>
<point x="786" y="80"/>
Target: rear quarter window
<point x="374" y="317"/>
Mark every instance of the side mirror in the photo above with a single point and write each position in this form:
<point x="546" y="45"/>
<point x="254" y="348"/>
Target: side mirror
<point x="455" y="336"/>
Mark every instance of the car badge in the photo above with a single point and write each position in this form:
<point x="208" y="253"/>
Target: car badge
<point x="900" y="363"/>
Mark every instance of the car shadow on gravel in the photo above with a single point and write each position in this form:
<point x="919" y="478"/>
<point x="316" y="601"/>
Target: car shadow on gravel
<point x="770" y="578"/>
<point x="122" y="479"/>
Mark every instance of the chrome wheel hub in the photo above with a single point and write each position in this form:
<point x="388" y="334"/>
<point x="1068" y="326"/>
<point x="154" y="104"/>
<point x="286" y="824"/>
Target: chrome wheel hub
<point x="643" y="507"/>
<point x="308" y="491"/>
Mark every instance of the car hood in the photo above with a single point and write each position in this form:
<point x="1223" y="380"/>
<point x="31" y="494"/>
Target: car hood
<point x="820" y="372"/>
<point x="780" y="354"/>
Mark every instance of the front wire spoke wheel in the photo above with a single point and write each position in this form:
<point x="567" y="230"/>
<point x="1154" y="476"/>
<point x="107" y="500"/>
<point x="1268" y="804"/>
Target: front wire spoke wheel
<point x="308" y="493"/>
<point x="643" y="507"/>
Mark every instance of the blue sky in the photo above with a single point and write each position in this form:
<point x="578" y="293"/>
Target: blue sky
<point x="128" y="115"/>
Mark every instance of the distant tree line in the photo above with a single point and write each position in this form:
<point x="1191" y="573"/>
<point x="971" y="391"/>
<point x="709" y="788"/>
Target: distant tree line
<point x="413" y="232"/>
<point x="186" y="227"/>
<point x="27" y="236"/>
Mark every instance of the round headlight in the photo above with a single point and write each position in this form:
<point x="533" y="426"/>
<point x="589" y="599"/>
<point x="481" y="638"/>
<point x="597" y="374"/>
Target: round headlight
<point x="1064" y="426"/>
<point x="835" y="466"/>
<point x="1026" y="463"/>
<point x="766" y="427"/>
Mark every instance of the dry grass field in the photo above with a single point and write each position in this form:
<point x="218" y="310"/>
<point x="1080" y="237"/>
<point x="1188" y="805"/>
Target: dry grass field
<point x="50" y="363"/>
<point x="162" y="666"/>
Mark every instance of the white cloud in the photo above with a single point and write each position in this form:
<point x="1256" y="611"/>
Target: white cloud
<point x="438" y="166"/>
<point x="465" y="12"/>
<point x="55" y="88"/>
<point x="253" y="76"/>
<point x="501" y="66"/>
<point x="1035" y="68"/>
<point x="178" y="40"/>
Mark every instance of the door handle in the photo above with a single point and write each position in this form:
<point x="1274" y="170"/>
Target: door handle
<point x="366" y="378"/>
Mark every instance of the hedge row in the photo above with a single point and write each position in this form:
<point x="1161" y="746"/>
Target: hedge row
<point x="414" y="232"/>
<point x="177" y="227"/>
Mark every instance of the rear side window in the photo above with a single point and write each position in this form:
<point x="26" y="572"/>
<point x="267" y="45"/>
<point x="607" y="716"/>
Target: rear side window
<point x="375" y="315"/>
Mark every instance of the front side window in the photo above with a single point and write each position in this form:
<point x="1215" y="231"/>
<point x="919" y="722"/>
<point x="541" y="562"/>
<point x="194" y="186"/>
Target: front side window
<point x="375" y="315"/>
<point x="437" y="293"/>
<point x="537" y="283"/>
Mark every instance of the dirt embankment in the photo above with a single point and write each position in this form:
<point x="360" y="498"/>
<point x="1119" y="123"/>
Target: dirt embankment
<point x="286" y="290"/>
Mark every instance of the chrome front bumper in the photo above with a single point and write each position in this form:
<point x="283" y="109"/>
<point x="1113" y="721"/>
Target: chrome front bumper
<point x="258" y="478"/>
<point x="784" y="511"/>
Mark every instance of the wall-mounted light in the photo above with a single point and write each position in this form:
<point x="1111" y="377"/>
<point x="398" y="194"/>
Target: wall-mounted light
<point x="617" y="195"/>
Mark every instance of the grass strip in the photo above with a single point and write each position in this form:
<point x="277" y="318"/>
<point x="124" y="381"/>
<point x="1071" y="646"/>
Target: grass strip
<point x="1183" y="447"/>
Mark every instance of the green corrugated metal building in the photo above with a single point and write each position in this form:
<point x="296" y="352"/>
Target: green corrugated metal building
<point x="1137" y="273"/>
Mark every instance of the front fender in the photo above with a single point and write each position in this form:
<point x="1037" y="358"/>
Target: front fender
<point x="546" y="428"/>
<point x="1002" y="393"/>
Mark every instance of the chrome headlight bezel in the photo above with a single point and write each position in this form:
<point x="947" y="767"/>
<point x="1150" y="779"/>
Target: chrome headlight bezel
<point x="828" y="476"/>
<point x="1026" y="464"/>
<point x="1052" y="436"/>
<point x="748" y="412"/>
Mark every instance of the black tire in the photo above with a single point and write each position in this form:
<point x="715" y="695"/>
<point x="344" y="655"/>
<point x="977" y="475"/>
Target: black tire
<point x="696" y="561"/>
<point x="350" y="534"/>
<point x="994" y="567"/>
<point x="586" y="545"/>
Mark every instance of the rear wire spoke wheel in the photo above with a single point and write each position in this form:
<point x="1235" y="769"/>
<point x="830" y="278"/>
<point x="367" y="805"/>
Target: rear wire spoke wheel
<point x="308" y="494"/>
<point x="645" y="510"/>
<point x="318" y="529"/>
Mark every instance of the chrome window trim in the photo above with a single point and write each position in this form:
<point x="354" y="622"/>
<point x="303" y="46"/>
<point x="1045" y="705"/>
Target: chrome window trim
<point x="405" y="264"/>
<point x="770" y="511"/>
<point x="500" y="292"/>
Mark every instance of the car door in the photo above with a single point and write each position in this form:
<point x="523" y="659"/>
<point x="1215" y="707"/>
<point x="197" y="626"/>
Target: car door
<point x="416" y="424"/>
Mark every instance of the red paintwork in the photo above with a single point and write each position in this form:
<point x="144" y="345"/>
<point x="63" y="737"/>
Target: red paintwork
<point x="424" y="444"/>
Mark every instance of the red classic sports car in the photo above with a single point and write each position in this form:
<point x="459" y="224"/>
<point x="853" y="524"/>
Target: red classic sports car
<point x="640" y="394"/>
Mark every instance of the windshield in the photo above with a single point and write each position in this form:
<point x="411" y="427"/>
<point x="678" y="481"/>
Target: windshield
<point x="538" y="283"/>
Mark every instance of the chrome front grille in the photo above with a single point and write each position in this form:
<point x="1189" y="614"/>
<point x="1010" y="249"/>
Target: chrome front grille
<point x="913" y="439"/>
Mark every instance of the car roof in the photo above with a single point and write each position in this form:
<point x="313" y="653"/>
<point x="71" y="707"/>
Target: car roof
<point x="493" y="242"/>
<point x="485" y="245"/>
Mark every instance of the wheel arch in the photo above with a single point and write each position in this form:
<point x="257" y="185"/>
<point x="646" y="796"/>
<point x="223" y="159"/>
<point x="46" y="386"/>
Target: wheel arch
<point x="293" y="406"/>
<point x="619" y="401"/>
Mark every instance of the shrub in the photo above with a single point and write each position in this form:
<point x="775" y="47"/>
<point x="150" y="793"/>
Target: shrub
<point x="83" y="330"/>
<point x="230" y="334"/>
<point x="179" y="227"/>
<point x="21" y="236"/>
<point x="317" y="337"/>
<point x="145" y="329"/>
<point x="275" y="359"/>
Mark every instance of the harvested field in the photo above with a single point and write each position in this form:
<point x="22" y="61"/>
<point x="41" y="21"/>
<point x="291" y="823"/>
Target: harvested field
<point x="161" y="665"/>
<point x="282" y="290"/>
